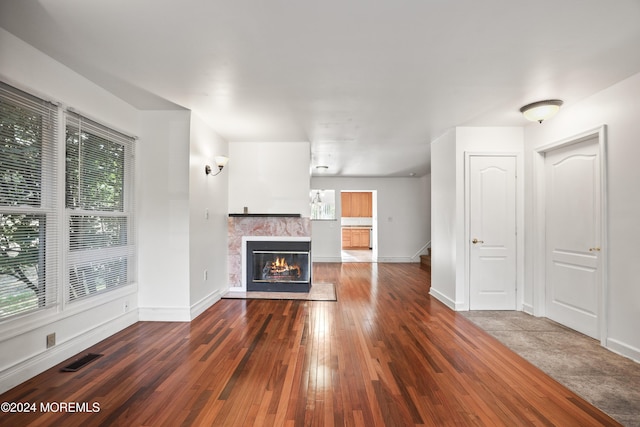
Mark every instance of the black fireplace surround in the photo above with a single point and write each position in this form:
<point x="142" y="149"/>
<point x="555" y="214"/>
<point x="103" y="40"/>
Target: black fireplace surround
<point x="278" y="266"/>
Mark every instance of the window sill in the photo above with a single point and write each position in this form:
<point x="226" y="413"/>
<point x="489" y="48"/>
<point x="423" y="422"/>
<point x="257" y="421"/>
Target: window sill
<point x="27" y="322"/>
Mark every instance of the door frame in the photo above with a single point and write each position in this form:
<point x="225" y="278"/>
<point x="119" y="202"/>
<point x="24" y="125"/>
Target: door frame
<point x="539" y="223"/>
<point x="519" y="223"/>
<point x="374" y="220"/>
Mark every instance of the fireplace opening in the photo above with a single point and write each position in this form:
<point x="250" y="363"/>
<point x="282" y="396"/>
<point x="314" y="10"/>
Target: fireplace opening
<point x="278" y="266"/>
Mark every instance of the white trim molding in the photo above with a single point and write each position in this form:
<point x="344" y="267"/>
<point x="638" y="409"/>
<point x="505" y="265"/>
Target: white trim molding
<point x="201" y="306"/>
<point x="539" y="224"/>
<point x="520" y="223"/>
<point x="32" y="366"/>
<point x="445" y="300"/>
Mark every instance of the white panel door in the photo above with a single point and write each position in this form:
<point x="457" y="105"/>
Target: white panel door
<point x="492" y="231"/>
<point x="572" y="186"/>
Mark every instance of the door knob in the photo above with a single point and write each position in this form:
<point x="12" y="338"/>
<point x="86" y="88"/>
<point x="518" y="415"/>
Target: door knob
<point x="474" y="241"/>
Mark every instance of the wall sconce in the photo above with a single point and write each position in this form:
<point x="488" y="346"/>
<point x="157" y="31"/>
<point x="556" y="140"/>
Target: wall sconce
<point x="541" y="110"/>
<point x="221" y="161"/>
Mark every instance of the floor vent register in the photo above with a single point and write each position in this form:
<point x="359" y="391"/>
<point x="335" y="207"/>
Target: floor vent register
<point x="81" y="363"/>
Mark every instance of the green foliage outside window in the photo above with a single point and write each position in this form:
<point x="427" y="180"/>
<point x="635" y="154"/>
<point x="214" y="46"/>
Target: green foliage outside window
<point x="94" y="172"/>
<point x="94" y="181"/>
<point x="21" y="234"/>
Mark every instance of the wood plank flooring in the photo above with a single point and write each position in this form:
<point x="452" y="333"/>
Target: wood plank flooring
<point x="385" y="353"/>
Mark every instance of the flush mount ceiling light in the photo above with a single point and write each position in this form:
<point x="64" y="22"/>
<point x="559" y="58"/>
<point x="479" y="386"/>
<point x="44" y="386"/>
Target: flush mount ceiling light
<point x="541" y="110"/>
<point x="221" y="161"/>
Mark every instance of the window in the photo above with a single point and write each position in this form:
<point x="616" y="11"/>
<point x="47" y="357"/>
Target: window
<point x="323" y="204"/>
<point x="90" y="203"/>
<point x="98" y="183"/>
<point x="28" y="232"/>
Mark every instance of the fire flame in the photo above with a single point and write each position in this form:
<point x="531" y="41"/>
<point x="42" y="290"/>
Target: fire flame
<point x="280" y="266"/>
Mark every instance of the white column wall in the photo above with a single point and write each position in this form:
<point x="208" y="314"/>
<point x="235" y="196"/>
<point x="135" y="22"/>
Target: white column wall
<point x="163" y="215"/>
<point x="443" y="218"/>
<point x="448" y="264"/>
<point x="208" y="218"/>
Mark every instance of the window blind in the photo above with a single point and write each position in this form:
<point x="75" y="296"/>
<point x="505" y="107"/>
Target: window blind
<point x="29" y="227"/>
<point x="99" y="207"/>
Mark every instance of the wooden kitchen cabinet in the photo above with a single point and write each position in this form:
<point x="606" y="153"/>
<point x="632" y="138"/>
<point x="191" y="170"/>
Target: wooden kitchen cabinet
<point x="345" y="199"/>
<point x="355" y="238"/>
<point x="346" y="238"/>
<point x="357" y="204"/>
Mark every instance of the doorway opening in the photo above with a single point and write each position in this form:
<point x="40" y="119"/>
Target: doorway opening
<point x="358" y="226"/>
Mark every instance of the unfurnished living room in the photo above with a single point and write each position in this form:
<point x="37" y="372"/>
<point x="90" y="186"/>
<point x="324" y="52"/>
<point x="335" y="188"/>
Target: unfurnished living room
<point x="319" y="213"/>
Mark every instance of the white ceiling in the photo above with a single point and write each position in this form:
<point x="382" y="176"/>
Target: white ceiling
<point x="368" y="83"/>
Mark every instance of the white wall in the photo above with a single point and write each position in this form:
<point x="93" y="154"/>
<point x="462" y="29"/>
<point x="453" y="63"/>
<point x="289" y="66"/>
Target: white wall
<point x="163" y="215"/>
<point x="23" y="352"/>
<point x="182" y="217"/>
<point x="269" y="177"/>
<point x="172" y="195"/>
<point x="208" y="218"/>
<point x="443" y="218"/>
<point x="617" y="107"/>
<point x="449" y="280"/>
<point x="403" y="217"/>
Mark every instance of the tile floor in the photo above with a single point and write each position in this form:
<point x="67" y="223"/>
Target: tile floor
<point x="605" y="379"/>
<point x="352" y="255"/>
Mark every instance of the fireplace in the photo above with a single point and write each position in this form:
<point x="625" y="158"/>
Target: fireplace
<point x="278" y="266"/>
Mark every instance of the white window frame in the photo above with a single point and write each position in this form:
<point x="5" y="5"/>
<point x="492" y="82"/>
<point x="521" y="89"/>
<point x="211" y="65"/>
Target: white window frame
<point x="105" y="254"/>
<point x="48" y="204"/>
<point x="57" y="254"/>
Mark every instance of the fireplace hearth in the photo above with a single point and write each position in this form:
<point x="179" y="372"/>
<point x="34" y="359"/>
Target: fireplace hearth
<point x="278" y="266"/>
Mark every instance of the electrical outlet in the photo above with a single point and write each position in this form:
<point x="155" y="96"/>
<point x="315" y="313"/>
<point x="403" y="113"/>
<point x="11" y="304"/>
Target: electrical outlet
<point x="51" y="340"/>
<point x="126" y="306"/>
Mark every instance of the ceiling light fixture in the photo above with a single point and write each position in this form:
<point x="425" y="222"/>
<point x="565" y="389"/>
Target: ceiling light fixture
<point x="541" y="110"/>
<point x="221" y="161"/>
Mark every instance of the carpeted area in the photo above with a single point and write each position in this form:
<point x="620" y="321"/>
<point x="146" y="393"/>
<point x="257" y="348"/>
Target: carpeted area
<point x="318" y="292"/>
<point x="605" y="379"/>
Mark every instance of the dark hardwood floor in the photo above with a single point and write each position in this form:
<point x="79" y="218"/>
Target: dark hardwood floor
<point x="385" y="353"/>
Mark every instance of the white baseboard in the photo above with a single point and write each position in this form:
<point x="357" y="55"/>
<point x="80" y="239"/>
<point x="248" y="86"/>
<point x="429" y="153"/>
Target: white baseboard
<point x="380" y="259"/>
<point x="198" y="308"/>
<point x="164" y="314"/>
<point x="327" y="259"/>
<point x="40" y="362"/>
<point x="443" y="299"/>
<point x="400" y="259"/>
<point x="623" y="349"/>
<point x="527" y="308"/>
